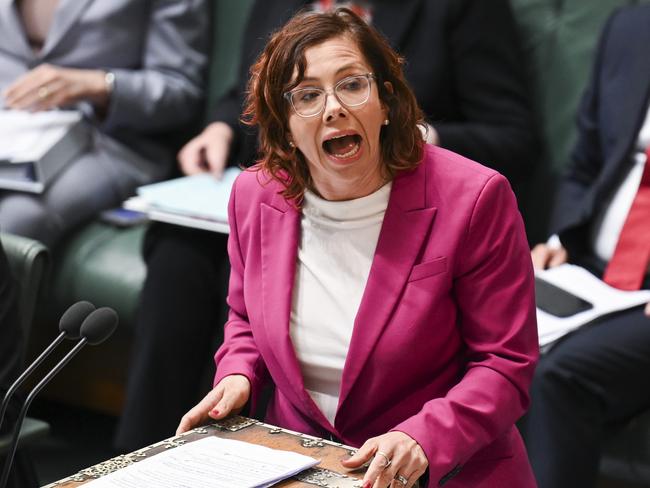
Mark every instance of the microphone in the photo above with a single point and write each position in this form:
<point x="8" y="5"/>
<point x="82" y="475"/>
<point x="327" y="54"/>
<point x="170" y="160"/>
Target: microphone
<point x="95" y="329"/>
<point x="69" y="325"/>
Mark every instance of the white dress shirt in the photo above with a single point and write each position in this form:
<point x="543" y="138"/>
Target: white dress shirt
<point x="607" y="227"/>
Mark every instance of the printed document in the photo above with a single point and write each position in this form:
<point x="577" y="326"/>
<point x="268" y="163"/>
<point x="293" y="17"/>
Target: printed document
<point x="582" y="283"/>
<point x="211" y="462"/>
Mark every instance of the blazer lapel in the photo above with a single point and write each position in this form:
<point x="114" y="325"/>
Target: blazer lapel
<point x="407" y="224"/>
<point x="12" y="34"/>
<point x="66" y="14"/>
<point x="280" y="234"/>
<point x="633" y="107"/>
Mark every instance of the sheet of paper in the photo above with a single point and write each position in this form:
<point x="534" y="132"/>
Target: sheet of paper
<point x="583" y="284"/>
<point x="27" y="136"/>
<point x="197" y="196"/>
<point x="209" y="463"/>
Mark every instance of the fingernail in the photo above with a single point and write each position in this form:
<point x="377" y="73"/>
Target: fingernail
<point x="215" y="411"/>
<point x="367" y="484"/>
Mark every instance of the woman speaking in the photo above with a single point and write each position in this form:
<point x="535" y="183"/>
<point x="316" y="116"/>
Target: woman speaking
<point x="383" y="285"/>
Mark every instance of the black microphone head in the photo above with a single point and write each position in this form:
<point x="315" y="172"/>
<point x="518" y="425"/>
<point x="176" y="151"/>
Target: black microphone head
<point x="99" y="325"/>
<point x="73" y="317"/>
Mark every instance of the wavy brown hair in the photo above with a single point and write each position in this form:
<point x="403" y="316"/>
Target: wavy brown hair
<point x="271" y="76"/>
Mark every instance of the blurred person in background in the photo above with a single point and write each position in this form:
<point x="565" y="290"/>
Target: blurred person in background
<point x="134" y="68"/>
<point x="592" y="380"/>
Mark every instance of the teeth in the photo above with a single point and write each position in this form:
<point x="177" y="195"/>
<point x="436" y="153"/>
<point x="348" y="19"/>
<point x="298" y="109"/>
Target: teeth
<point x="351" y="152"/>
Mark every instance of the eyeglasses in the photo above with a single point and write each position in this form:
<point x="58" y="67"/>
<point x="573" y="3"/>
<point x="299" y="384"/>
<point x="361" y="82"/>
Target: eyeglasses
<point x="351" y="92"/>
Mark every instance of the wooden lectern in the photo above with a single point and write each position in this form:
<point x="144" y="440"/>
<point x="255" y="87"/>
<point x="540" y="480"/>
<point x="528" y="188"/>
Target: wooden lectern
<point x="327" y="474"/>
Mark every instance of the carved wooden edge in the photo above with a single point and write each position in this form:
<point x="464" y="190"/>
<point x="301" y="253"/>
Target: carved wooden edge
<point x="316" y="476"/>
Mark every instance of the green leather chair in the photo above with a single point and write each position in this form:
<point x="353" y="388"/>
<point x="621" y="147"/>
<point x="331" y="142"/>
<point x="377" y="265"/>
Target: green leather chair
<point x="28" y="260"/>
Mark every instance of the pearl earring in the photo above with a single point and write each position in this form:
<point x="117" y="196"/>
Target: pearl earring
<point x="386" y="122"/>
<point x="292" y="144"/>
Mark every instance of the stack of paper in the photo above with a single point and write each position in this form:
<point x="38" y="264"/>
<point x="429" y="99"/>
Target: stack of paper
<point x="583" y="284"/>
<point x="199" y="201"/>
<point x="211" y="462"/>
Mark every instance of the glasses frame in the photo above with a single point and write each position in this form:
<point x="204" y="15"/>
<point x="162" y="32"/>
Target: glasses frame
<point x="288" y="95"/>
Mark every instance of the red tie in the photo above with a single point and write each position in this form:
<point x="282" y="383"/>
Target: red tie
<point x="629" y="263"/>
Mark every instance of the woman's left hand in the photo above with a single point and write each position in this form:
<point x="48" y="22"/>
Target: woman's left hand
<point x="47" y="87"/>
<point x="397" y="461"/>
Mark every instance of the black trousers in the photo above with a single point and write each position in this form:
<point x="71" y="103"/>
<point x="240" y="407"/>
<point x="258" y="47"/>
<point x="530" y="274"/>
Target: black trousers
<point x="586" y="386"/>
<point x="179" y="328"/>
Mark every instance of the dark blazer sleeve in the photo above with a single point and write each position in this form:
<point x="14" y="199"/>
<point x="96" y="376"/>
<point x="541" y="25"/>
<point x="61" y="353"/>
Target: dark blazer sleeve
<point x="491" y="121"/>
<point x="576" y="199"/>
<point x="166" y="89"/>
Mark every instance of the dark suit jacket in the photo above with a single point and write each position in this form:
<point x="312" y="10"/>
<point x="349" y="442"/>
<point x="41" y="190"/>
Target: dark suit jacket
<point x="462" y="62"/>
<point x="609" y="119"/>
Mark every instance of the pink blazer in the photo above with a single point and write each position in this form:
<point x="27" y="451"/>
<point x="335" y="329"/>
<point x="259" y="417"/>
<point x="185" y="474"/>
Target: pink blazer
<point x="445" y="340"/>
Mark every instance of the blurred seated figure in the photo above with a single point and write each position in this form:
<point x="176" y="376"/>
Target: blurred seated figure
<point x="135" y="68"/>
<point x="594" y="379"/>
<point x="463" y="66"/>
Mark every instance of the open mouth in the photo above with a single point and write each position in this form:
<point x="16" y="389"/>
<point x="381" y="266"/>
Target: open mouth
<point x="343" y="146"/>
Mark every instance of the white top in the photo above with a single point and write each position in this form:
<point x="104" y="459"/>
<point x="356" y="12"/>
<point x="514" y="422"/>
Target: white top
<point x="337" y="244"/>
<point x="607" y="228"/>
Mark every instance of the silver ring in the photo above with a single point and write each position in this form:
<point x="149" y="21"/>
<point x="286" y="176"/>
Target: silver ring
<point x="402" y="479"/>
<point x="43" y="92"/>
<point x="385" y="456"/>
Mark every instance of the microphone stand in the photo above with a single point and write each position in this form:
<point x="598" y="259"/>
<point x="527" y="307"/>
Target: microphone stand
<point x="26" y="373"/>
<point x="23" y="411"/>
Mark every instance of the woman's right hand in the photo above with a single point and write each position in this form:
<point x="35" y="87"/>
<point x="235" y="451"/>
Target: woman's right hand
<point x="228" y="397"/>
<point x="545" y="256"/>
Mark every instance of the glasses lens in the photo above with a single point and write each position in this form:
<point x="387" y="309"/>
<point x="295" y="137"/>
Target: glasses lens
<point x="354" y="90"/>
<point x="308" y="101"/>
<point x="351" y="91"/>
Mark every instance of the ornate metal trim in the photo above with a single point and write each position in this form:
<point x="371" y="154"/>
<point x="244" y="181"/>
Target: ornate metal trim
<point x="327" y="479"/>
<point x="233" y="424"/>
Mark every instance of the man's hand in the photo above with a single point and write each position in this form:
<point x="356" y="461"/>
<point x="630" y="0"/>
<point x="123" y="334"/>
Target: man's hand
<point x="47" y="87"/>
<point x="207" y="152"/>
<point x="545" y="256"/>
